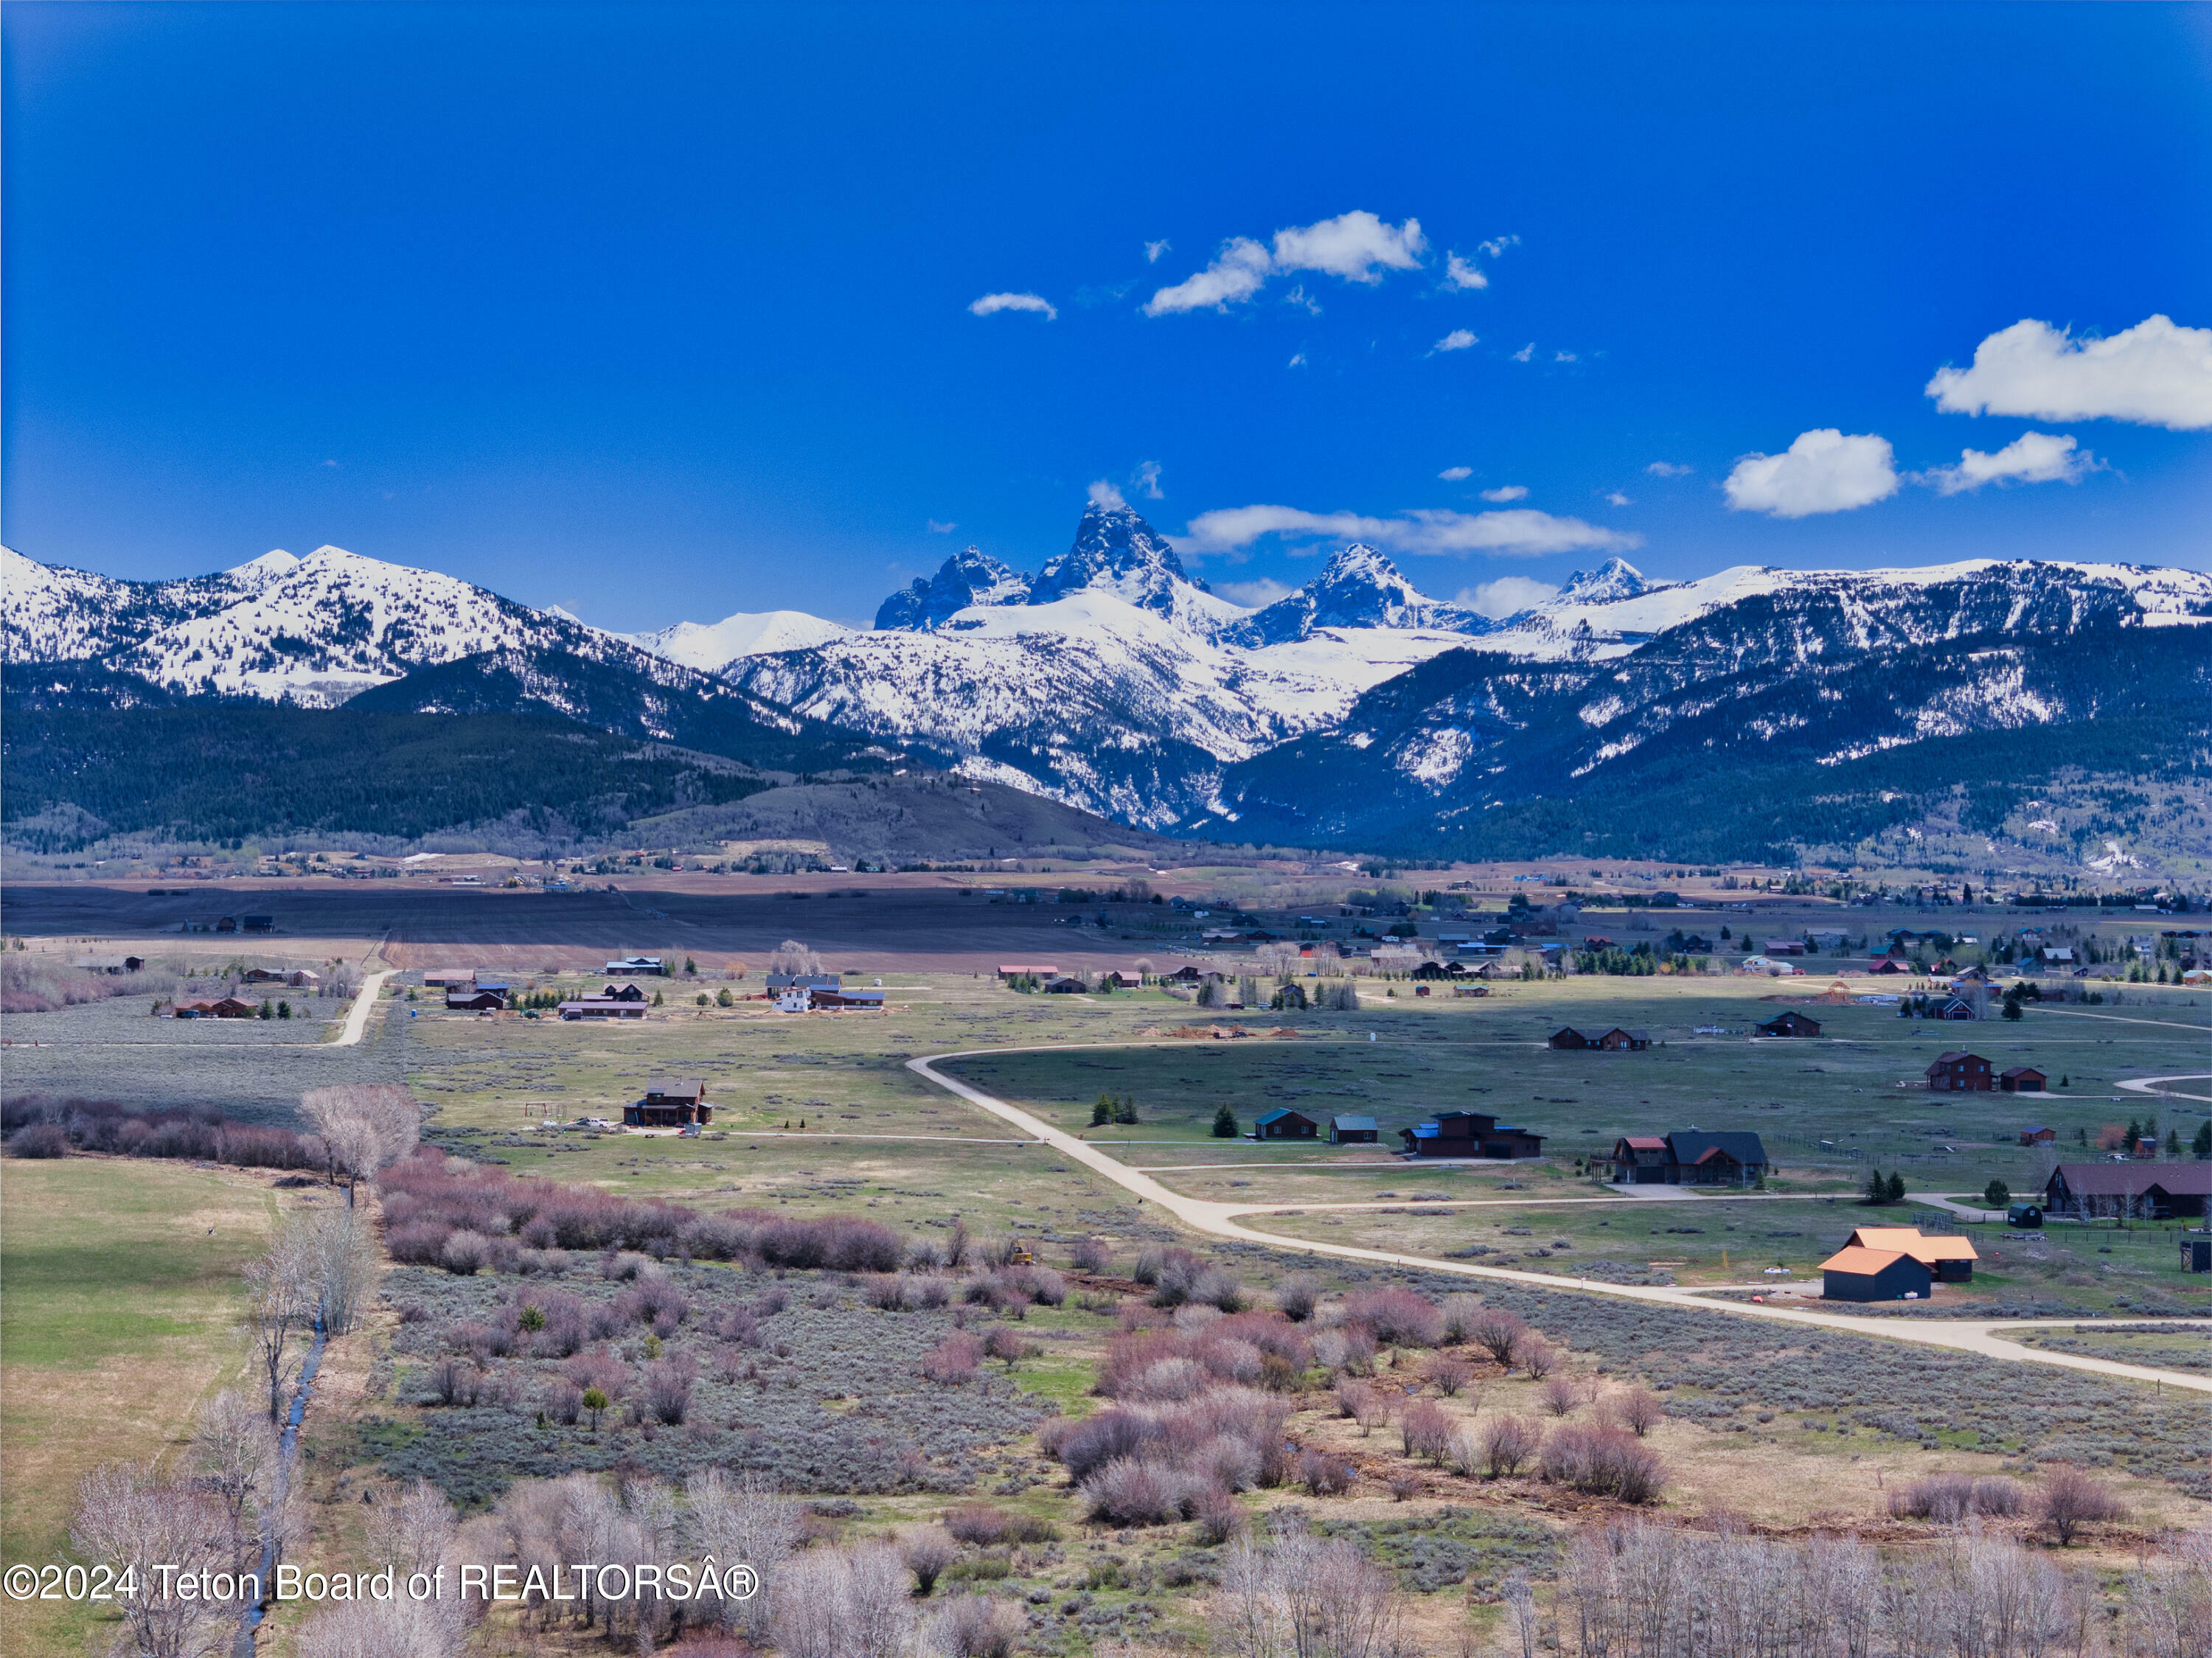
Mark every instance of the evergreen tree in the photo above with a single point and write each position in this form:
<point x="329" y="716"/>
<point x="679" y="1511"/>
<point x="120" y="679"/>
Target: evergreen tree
<point x="1125" y="1109"/>
<point x="1896" y="1188"/>
<point x="2012" y="1008"/>
<point x="1877" y="1188"/>
<point x="1225" y="1124"/>
<point x="2174" y="1142"/>
<point x="1101" y="1110"/>
<point x="2201" y="1145"/>
<point x="1996" y="1195"/>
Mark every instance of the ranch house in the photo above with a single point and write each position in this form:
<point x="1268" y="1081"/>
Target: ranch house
<point x="1283" y="1124"/>
<point x="1789" y="1022"/>
<point x="1957" y="1072"/>
<point x="1352" y="1131"/>
<point x="1469" y="1134"/>
<point x="2173" y="1190"/>
<point x="670" y="1104"/>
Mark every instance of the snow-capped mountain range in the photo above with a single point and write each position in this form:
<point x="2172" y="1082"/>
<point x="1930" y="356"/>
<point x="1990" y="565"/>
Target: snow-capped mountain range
<point x="1113" y="680"/>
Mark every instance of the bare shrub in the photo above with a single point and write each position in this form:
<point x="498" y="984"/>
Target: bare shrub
<point x="668" y="1390"/>
<point x="1459" y="1313"/>
<point x="1298" y="1594"/>
<point x="464" y="1254"/>
<point x="927" y="1551"/>
<point x="1398" y="1316"/>
<point x="2070" y="1499"/>
<point x="1090" y="1255"/>
<point x="1425" y="1429"/>
<point x="1561" y="1394"/>
<point x="1636" y="1409"/>
<point x="1129" y="1492"/>
<point x="1606" y="1461"/>
<point x="1220" y="1517"/>
<point x="1449" y="1373"/>
<point x="1536" y="1356"/>
<point x="2000" y="1499"/>
<point x="1297" y="1295"/>
<point x="1324" y="1475"/>
<point x="977" y="1626"/>
<point x="954" y="1359"/>
<point x="836" y="1603"/>
<point x="1497" y="1332"/>
<point x="41" y="1139"/>
<point x="1506" y="1442"/>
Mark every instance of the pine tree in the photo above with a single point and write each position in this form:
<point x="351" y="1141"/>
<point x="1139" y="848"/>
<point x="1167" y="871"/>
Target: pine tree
<point x="1996" y="1195"/>
<point x="1125" y="1109"/>
<point x="1877" y="1189"/>
<point x="1101" y="1110"/>
<point x="1225" y="1124"/>
<point x="2201" y="1145"/>
<point x="1896" y="1188"/>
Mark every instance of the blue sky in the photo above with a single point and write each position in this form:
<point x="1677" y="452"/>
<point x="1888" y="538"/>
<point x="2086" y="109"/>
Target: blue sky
<point x="665" y="311"/>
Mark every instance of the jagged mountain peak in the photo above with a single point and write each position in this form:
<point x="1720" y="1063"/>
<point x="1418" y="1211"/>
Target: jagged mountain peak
<point x="1614" y="578"/>
<point x="969" y="577"/>
<point x="1359" y="587"/>
<point x="1116" y="551"/>
<point x="257" y="573"/>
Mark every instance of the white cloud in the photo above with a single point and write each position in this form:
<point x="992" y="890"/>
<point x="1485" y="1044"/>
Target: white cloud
<point x="1667" y="469"/>
<point x="937" y="529"/>
<point x="1506" y="492"/>
<point x="1525" y="352"/>
<point x="1520" y="531"/>
<point x="1304" y="301"/>
<point x="2031" y="457"/>
<point x="1255" y="594"/>
<point x="1153" y="250"/>
<point x="1145" y="480"/>
<point x="1103" y="494"/>
<point x="1823" y="471"/>
<point x="1497" y="244"/>
<point x="991" y="302"/>
<point x="330" y="463"/>
<point x="1459" y="273"/>
<point x="1563" y="356"/>
<point x="1619" y="499"/>
<point x="1458" y="340"/>
<point x="2154" y="373"/>
<point x="1356" y="246"/>
<point x="1507" y="596"/>
<point x="1297" y="361"/>
<point x="1454" y="474"/>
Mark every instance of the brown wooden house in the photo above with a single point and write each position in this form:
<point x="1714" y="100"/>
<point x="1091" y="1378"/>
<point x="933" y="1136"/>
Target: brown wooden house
<point x="1283" y="1124"/>
<point x="1789" y="1022"/>
<point x="2024" y="1079"/>
<point x="1957" y="1072"/>
<point x="671" y="1103"/>
<point x="1617" y="1041"/>
<point x="1469" y="1134"/>
<point x="1568" y="1040"/>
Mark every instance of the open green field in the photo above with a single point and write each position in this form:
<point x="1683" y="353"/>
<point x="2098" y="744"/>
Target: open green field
<point x="118" y="1292"/>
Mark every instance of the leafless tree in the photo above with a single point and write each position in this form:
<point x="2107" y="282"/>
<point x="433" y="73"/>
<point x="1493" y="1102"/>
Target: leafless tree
<point x="1636" y="1409"/>
<point x="1561" y="1394"/>
<point x="409" y="1531"/>
<point x="836" y="1603"/>
<point x="280" y="1286"/>
<point x="792" y="956"/>
<point x="1536" y="1356"/>
<point x="1296" y="1596"/>
<point x="1521" y="1613"/>
<point x="234" y="1451"/>
<point x="741" y="1517"/>
<point x="365" y="1128"/>
<point x="1451" y="1372"/>
<point x="341" y="1257"/>
<point x="2167" y="1608"/>
<point x="402" y="1627"/>
<point x="2070" y="1499"/>
<point x="1497" y="1332"/>
<point x="127" y="1517"/>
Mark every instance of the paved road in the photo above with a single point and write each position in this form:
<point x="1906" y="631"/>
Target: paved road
<point x="1226" y="1220"/>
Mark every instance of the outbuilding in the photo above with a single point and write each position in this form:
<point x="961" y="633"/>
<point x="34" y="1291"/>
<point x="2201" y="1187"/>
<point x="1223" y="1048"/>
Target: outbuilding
<point x="2025" y="1079"/>
<point x="1856" y="1274"/>
<point x="1567" y="1039"/>
<point x="1617" y="1041"/>
<point x="1950" y="1261"/>
<point x="2039" y="1136"/>
<point x="1789" y="1022"/>
<point x="1353" y="1130"/>
<point x="601" y="1007"/>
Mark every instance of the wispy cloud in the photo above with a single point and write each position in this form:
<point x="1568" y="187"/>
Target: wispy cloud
<point x="995" y="302"/>
<point x="1454" y="474"/>
<point x="1507" y="596"/>
<point x="1823" y="471"/>
<point x="1618" y="499"/>
<point x="1667" y="469"/>
<point x="1103" y="494"/>
<point x="1458" y="340"/>
<point x="1497" y="244"/>
<point x="937" y="529"/>
<point x="1255" y="594"/>
<point x="1145" y="480"/>
<point x="1520" y="530"/>
<point x="1459" y="273"/>
<point x="1506" y="492"/>
<point x="1356" y="246"/>
<point x="1153" y="250"/>
<point x="2031" y="457"/>
<point x="1525" y="352"/>
<point x="330" y="463"/>
<point x="1564" y="357"/>
<point x="1297" y="361"/>
<point x="2154" y="373"/>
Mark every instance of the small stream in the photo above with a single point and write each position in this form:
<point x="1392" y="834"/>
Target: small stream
<point x="288" y="1449"/>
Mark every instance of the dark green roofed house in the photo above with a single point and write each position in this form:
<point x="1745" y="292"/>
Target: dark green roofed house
<point x="1283" y="1124"/>
<point x="1353" y="1130"/>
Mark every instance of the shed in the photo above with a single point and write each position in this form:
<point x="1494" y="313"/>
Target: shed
<point x="2024" y="1079"/>
<point x="601" y="1007"/>
<point x="1854" y="1273"/>
<point x="1957" y="1072"/>
<point x="2039" y="1136"/>
<point x="475" y="999"/>
<point x="1284" y="1124"/>
<point x="1789" y="1022"/>
<point x="1353" y="1130"/>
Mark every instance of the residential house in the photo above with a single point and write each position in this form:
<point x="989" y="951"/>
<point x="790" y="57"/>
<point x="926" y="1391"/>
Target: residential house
<point x="810" y="983"/>
<point x="2039" y="1136"/>
<point x="1788" y="1022"/>
<point x="2024" y="1079"/>
<point x="1617" y="1041"/>
<point x="601" y="1007"/>
<point x="1949" y="1260"/>
<point x="1352" y="1131"/>
<point x="445" y="978"/>
<point x="1889" y="966"/>
<point x="1829" y="943"/>
<point x="1185" y="975"/>
<point x="476" y="999"/>
<point x="1957" y="1072"/>
<point x="1689" y="1157"/>
<point x="856" y="998"/>
<point x="1067" y="984"/>
<point x="625" y="992"/>
<point x="2151" y="1191"/>
<point x="669" y="1102"/>
<point x="1283" y="1124"/>
<point x="646" y="967"/>
<point x="223" y="1007"/>
<point x="1772" y="967"/>
<point x="1010" y="970"/>
<point x="1567" y="1040"/>
<point x="1469" y="1134"/>
<point x="1856" y="1274"/>
<point x="1785" y="947"/>
<point x="260" y="924"/>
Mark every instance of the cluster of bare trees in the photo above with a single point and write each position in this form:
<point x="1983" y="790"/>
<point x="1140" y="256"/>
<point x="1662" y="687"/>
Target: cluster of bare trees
<point x="365" y="1128"/>
<point x="409" y="1531"/>
<point x="1653" y="1591"/>
<point x="792" y="956"/>
<point x="1296" y="1596"/>
<point x="128" y="1516"/>
<point x="319" y="1271"/>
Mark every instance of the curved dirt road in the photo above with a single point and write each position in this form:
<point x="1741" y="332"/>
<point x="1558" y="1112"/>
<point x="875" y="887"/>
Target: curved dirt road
<point x="1225" y="1220"/>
